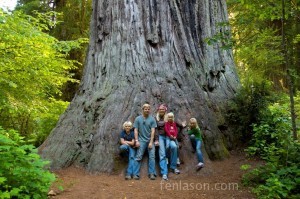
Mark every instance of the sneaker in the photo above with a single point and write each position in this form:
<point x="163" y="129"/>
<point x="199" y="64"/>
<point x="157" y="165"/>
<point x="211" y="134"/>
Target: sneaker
<point x="178" y="161"/>
<point x="152" y="177"/>
<point x="165" y="177"/>
<point x="127" y="177"/>
<point x="136" y="177"/>
<point x="200" y="165"/>
<point x="176" y="171"/>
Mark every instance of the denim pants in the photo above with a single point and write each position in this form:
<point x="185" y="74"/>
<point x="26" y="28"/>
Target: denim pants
<point x="130" y="153"/>
<point x="162" y="155"/>
<point x="139" y="155"/>
<point x="172" y="146"/>
<point x="196" y="144"/>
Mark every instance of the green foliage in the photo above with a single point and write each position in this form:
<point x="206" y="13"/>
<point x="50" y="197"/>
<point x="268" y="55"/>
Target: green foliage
<point x="22" y="173"/>
<point x="70" y="22"/>
<point x="33" y="69"/>
<point x="246" y="107"/>
<point x="223" y="37"/>
<point x="75" y="23"/>
<point x="259" y="54"/>
<point x="257" y="33"/>
<point x="245" y="167"/>
<point x="45" y="120"/>
<point x="273" y="181"/>
<point x="272" y="141"/>
<point x="30" y="6"/>
<point x="272" y="134"/>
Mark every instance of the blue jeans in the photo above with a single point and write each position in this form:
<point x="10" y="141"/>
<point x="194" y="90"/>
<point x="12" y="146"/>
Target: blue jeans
<point x="162" y="155"/>
<point x="196" y="144"/>
<point x="172" y="145"/>
<point x="130" y="153"/>
<point x="138" y="158"/>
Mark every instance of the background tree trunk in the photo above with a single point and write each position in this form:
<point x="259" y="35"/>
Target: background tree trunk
<point x="151" y="51"/>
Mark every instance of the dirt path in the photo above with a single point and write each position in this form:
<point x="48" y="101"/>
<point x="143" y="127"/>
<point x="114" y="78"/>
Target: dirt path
<point x="219" y="179"/>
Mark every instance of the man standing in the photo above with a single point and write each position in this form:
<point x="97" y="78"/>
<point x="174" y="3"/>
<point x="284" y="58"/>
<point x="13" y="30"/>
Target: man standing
<point x="144" y="129"/>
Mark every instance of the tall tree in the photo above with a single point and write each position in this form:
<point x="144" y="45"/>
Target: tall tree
<point x="257" y="29"/>
<point x="267" y="47"/>
<point x="30" y="58"/>
<point x="151" y="51"/>
<point x="289" y="75"/>
<point x="29" y="6"/>
<point x="74" y="23"/>
<point x="71" y="21"/>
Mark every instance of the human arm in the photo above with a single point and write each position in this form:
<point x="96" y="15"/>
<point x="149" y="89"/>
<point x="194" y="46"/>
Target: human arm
<point x="181" y="125"/>
<point x="174" y="134"/>
<point x="131" y="143"/>
<point x="198" y="133"/>
<point x="122" y="141"/>
<point x="136" y="132"/>
<point x="172" y="130"/>
<point x="156" y="143"/>
<point x="181" y="128"/>
<point x="190" y="132"/>
<point x="151" y="138"/>
<point x="153" y="127"/>
<point x="136" y="135"/>
<point x="167" y="129"/>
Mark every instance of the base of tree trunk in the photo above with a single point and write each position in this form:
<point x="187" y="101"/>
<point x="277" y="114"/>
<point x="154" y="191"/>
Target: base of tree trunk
<point x="147" y="51"/>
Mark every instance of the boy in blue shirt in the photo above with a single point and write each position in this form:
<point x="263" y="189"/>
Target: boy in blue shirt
<point x="127" y="144"/>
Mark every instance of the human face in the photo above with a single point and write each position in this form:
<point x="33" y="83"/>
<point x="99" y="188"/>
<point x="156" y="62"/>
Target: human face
<point x="146" y="110"/>
<point x="127" y="128"/>
<point x="170" y="118"/>
<point x="161" y="111"/>
<point x="193" y="124"/>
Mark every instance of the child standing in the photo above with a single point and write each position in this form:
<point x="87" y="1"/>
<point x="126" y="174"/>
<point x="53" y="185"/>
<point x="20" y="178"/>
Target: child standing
<point x="171" y="141"/>
<point x="195" y="136"/>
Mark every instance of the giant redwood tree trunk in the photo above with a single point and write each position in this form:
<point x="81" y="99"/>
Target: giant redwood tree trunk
<point x="153" y="51"/>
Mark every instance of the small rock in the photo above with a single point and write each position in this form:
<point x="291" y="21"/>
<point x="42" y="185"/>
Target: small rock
<point x="51" y="193"/>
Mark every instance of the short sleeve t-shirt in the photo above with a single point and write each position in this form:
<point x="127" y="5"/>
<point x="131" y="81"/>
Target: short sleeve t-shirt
<point x="144" y="126"/>
<point x="161" y="127"/>
<point x="127" y="137"/>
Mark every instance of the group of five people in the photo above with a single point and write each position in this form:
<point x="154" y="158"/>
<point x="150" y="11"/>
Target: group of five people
<point x="148" y="132"/>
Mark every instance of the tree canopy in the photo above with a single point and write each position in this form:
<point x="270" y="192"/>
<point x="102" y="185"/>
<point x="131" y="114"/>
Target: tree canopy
<point x="33" y="69"/>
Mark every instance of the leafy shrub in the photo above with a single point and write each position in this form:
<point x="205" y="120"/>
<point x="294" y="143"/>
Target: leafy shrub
<point x="22" y="173"/>
<point x="34" y="68"/>
<point x="246" y="107"/>
<point x="272" y="141"/>
<point x="272" y="134"/>
<point x="274" y="181"/>
<point x="45" y="120"/>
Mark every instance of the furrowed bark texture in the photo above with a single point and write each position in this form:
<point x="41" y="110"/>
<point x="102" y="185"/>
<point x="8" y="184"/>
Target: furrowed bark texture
<point x="155" y="51"/>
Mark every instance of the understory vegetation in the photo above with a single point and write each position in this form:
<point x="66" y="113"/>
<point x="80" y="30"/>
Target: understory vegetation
<point x="265" y="112"/>
<point x="41" y="59"/>
<point x="262" y="120"/>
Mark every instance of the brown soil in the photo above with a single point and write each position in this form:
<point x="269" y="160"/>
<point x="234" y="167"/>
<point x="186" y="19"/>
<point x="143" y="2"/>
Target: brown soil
<point x="219" y="179"/>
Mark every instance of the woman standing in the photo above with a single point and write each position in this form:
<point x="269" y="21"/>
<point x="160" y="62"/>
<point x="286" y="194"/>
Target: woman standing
<point x="161" y="138"/>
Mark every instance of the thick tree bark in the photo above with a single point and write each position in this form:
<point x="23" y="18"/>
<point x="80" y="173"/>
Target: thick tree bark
<point x="151" y="51"/>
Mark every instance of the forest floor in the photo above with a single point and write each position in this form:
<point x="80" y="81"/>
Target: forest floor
<point x="218" y="179"/>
